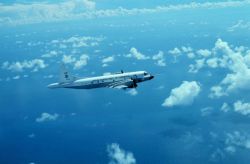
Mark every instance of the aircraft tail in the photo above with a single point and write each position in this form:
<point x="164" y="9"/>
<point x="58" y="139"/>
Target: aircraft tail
<point x="65" y="76"/>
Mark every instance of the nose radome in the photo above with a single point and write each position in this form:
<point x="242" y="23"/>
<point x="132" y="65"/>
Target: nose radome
<point x="151" y="77"/>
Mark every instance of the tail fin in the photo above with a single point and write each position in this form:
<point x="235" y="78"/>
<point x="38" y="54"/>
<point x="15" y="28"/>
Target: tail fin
<point x="65" y="75"/>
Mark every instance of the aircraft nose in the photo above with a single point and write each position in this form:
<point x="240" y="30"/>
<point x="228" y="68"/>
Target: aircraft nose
<point x="151" y="77"/>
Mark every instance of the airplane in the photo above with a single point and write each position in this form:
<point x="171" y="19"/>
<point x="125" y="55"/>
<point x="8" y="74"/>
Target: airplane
<point x="121" y="80"/>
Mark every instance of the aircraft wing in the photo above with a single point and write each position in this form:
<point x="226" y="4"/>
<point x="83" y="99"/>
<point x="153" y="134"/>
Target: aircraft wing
<point x="123" y="84"/>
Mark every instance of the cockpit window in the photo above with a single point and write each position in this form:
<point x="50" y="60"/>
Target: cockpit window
<point x="145" y="73"/>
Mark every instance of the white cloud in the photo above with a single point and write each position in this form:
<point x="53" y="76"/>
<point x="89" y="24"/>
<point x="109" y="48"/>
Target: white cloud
<point x="136" y="54"/>
<point x="217" y="91"/>
<point x="132" y="92"/>
<point x="236" y="62"/>
<point x="186" y="49"/>
<point x="88" y="4"/>
<point x="36" y="12"/>
<point x="204" y="52"/>
<point x="194" y="68"/>
<point x="77" y="63"/>
<point x="230" y="149"/>
<point x="16" y="77"/>
<point x="161" y="87"/>
<point x="183" y="95"/>
<point x="190" y="55"/>
<point x="18" y="66"/>
<point x="83" y="61"/>
<point x="240" y="25"/>
<point x="242" y="108"/>
<point x="78" y="41"/>
<point x="119" y="156"/>
<point x="50" y="54"/>
<point x="237" y="139"/>
<point x="47" y="117"/>
<point x="206" y="111"/>
<point x="183" y="50"/>
<point x="217" y="155"/>
<point x="79" y="44"/>
<point x="225" y="107"/>
<point x="213" y="62"/>
<point x="160" y="59"/>
<point x="67" y="59"/>
<point x="175" y="52"/>
<point x="107" y="60"/>
<point x="62" y="46"/>
<point x="48" y="76"/>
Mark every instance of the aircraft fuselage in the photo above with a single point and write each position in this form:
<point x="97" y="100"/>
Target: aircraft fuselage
<point x="120" y="80"/>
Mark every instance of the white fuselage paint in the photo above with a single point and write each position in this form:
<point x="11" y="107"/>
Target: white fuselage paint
<point x="126" y="79"/>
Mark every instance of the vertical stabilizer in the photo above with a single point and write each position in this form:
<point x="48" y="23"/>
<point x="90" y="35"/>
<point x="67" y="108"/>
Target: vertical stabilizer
<point x="65" y="76"/>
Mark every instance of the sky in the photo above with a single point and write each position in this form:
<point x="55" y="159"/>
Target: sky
<point x="195" y="110"/>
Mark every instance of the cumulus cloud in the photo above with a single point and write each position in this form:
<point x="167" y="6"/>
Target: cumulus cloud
<point x="50" y="54"/>
<point x="136" y="54"/>
<point x="183" y="95"/>
<point x="183" y="50"/>
<point x="160" y="59"/>
<point x="175" y="52"/>
<point x="204" y="52"/>
<point x="235" y="140"/>
<point x="191" y="55"/>
<point x="236" y="61"/>
<point x="225" y="107"/>
<point x="67" y="59"/>
<point x="78" y="63"/>
<point x="186" y="49"/>
<point x="18" y="66"/>
<point x="242" y="108"/>
<point x="107" y="60"/>
<point x="78" y="41"/>
<point x="194" y="68"/>
<point x="119" y="156"/>
<point x="83" y="61"/>
<point x="217" y="91"/>
<point x="240" y="25"/>
<point x="206" y="111"/>
<point x="47" y="117"/>
<point x="213" y="62"/>
<point x="16" y="77"/>
<point x="217" y="155"/>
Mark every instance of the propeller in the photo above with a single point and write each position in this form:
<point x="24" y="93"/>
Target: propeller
<point x="134" y="85"/>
